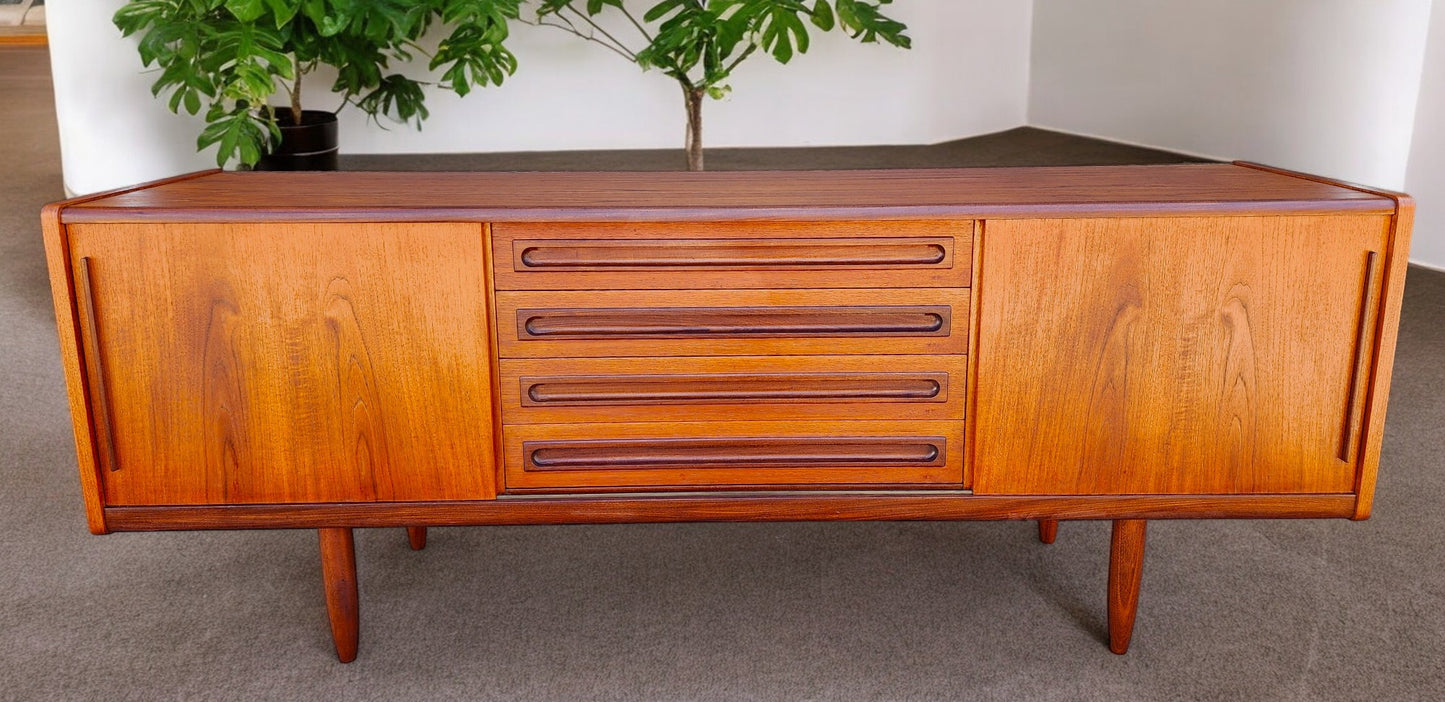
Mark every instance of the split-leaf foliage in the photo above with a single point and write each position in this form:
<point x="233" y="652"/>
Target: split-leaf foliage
<point x="227" y="57"/>
<point x="699" y="43"/>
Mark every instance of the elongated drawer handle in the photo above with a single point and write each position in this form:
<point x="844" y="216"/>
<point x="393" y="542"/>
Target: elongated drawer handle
<point x="674" y="322"/>
<point x="726" y="253"/>
<point x="1354" y="403"/>
<point x="782" y="387"/>
<point x="748" y="452"/>
<point x="95" y="372"/>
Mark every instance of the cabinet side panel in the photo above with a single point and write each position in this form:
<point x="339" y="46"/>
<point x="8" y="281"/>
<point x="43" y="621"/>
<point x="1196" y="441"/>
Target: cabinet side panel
<point x="1171" y="355"/>
<point x="1397" y="263"/>
<point x="292" y="363"/>
<point x="62" y="291"/>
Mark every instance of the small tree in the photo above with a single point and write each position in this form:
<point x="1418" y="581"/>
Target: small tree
<point x="699" y="43"/>
<point x="230" y="55"/>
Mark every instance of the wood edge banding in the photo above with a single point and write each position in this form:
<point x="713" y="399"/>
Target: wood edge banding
<point x="65" y="205"/>
<point x="970" y="387"/>
<point x="498" y="483"/>
<point x="112" y="214"/>
<point x="734" y="507"/>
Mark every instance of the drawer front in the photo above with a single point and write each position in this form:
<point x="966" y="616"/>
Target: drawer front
<point x="681" y="455"/>
<point x="732" y="322"/>
<point x="560" y="391"/>
<point x="693" y="255"/>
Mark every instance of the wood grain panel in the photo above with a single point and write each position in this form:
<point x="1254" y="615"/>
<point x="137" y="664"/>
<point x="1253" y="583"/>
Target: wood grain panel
<point x="672" y="255"/>
<point x="1170" y="355"/>
<point x="68" y="324"/>
<point x="965" y="193"/>
<point x="731" y="322"/>
<point x="1396" y="263"/>
<point x="732" y="454"/>
<point x="731" y="388"/>
<point x="268" y="363"/>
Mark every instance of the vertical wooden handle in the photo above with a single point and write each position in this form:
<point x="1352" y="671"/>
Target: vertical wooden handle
<point x="99" y="397"/>
<point x="1353" y="405"/>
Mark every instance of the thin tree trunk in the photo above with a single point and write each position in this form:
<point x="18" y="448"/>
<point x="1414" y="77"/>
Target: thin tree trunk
<point x="694" y="97"/>
<point x="296" y="92"/>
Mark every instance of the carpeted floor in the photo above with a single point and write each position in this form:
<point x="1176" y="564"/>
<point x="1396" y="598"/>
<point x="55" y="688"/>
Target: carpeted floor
<point x="1242" y="610"/>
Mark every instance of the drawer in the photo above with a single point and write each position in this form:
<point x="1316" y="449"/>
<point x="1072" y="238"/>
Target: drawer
<point x="686" y="455"/>
<point x="561" y="391"/>
<point x="564" y="324"/>
<point x="701" y="255"/>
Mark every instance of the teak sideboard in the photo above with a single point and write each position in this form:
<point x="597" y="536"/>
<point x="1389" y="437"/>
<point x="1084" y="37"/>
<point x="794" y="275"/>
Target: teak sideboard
<point x="340" y="350"/>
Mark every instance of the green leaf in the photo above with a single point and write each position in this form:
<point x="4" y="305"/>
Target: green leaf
<point x="822" y="15"/>
<point x="284" y="11"/>
<point x="661" y="9"/>
<point x="246" y="10"/>
<point x="865" y="22"/>
<point x="595" y="6"/>
<point x="315" y="10"/>
<point x="221" y="58"/>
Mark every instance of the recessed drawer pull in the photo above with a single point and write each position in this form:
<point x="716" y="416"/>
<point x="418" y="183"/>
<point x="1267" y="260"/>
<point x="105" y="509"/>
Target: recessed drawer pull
<point x="1353" y="405"/>
<point x="673" y="322"/>
<point x="727" y="254"/>
<point x="677" y="389"/>
<point x="95" y="369"/>
<point x="779" y="453"/>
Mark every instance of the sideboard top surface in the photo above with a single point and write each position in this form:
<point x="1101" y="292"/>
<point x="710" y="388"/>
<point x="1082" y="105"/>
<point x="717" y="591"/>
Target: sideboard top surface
<point x="1187" y="189"/>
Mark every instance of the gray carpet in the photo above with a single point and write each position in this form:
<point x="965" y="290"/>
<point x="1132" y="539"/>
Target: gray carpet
<point x="1245" y="610"/>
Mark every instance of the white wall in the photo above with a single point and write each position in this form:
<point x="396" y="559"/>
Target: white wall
<point x="1325" y="86"/>
<point x="1425" y="177"/>
<point x="112" y="132"/>
<point x="967" y="74"/>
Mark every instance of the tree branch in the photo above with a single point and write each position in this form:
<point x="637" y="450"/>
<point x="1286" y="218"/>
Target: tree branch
<point x="743" y="57"/>
<point x="637" y="24"/>
<point x="572" y="29"/>
<point x="623" y="47"/>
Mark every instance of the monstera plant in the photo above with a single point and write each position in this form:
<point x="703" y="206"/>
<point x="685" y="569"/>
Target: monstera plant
<point x="229" y="57"/>
<point x="699" y="43"/>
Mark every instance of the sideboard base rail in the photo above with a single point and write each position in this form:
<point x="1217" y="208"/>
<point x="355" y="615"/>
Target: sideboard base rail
<point x="785" y="507"/>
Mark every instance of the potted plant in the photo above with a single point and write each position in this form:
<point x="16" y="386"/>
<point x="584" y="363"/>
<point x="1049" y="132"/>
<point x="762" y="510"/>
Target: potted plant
<point x="699" y="43"/>
<point x="228" y="57"/>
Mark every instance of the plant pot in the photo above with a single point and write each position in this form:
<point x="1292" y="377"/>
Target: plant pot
<point x="309" y="146"/>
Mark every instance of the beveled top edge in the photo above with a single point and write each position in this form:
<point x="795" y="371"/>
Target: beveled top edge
<point x="1172" y="189"/>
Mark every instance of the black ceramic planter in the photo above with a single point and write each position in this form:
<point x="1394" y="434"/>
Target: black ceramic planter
<point x="309" y="146"/>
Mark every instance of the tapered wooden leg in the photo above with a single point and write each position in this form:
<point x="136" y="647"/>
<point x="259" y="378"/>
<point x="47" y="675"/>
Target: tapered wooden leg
<point x="1048" y="530"/>
<point x="417" y="537"/>
<point x="1126" y="565"/>
<point x="338" y="572"/>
